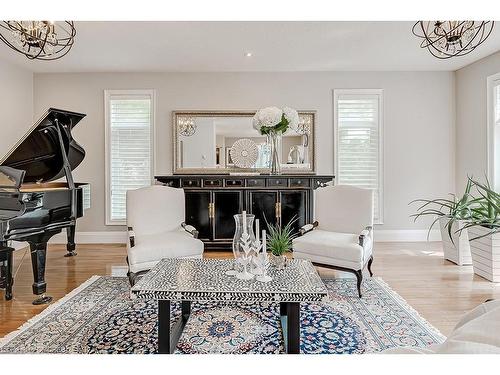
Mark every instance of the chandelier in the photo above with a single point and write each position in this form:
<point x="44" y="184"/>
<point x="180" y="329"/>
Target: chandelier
<point x="304" y="126"/>
<point x="186" y="126"/>
<point x="40" y="40"/>
<point x="445" y="39"/>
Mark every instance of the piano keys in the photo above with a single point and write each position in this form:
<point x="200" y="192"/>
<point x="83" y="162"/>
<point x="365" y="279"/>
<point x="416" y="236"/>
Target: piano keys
<point x="33" y="206"/>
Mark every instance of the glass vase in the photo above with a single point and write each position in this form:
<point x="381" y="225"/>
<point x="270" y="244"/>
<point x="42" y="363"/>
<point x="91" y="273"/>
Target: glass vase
<point x="274" y="140"/>
<point x="238" y="252"/>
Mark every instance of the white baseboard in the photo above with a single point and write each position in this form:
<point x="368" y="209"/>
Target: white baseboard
<point x="408" y="235"/>
<point x="92" y="237"/>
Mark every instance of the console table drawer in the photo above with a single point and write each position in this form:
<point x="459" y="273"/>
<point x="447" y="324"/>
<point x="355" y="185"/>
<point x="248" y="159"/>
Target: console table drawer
<point x="299" y="182"/>
<point x="321" y="182"/>
<point x="188" y="182"/>
<point x="212" y="183"/>
<point x="256" y="182"/>
<point x="170" y="183"/>
<point x="280" y="182"/>
<point x="235" y="183"/>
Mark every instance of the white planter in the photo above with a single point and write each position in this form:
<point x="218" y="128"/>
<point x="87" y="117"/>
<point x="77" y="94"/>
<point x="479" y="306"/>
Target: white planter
<point x="457" y="251"/>
<point x="485" y="254"/>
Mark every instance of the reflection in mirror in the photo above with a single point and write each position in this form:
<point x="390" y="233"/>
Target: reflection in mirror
<point x="204" y="142"/>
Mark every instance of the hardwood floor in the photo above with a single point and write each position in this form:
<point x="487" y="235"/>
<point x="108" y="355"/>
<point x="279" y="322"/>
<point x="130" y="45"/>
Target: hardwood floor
<point x="439" y="290"/>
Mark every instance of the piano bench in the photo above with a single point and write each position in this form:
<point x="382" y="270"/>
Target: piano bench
<point x="6" y="279"/>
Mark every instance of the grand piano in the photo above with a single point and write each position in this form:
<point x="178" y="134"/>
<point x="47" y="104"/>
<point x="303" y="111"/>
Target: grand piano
<point x="33" y="205"/>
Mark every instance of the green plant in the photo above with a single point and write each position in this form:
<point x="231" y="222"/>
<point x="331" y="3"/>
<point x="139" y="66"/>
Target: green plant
<point x="478" y="206"/>
<point x="484" y="210"/>
<point x="279" y="239"/>
<point x="453" y="209"/>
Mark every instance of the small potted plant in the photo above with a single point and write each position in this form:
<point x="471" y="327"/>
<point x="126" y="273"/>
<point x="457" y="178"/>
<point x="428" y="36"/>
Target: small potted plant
<point x="279" y="241"/>
<point x="479" y="214"/>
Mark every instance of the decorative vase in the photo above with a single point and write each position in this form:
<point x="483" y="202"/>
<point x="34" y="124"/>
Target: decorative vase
<point x="274" y="140"/>
<point x="458" y="250"/>
<point x="238" y="251"/>
<point x="278" y="261"/>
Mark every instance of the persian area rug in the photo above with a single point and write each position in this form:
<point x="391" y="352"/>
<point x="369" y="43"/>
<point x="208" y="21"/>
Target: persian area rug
<point x="99" y="317"/>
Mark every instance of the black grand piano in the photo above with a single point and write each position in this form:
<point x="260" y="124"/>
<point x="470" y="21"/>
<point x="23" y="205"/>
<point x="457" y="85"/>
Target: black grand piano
<point x="33" y="206"/>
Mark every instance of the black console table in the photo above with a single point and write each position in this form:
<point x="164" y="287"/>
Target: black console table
<point x="212" y="200"/>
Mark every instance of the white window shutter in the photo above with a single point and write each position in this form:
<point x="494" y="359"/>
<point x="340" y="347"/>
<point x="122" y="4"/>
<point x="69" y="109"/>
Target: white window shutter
<point x="358" y="143"/>
<point x="496" y="136"/>
<point x="130" y="153"/>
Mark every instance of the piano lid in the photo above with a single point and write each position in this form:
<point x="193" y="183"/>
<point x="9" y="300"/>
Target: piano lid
<point x="39" y="152"/>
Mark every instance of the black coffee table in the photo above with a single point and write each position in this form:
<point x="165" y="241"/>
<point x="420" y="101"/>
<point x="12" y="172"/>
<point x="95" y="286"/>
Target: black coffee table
<point x="202" y="280"/>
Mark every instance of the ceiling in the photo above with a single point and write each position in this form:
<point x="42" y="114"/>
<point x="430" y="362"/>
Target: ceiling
<point x="221" y="47"/>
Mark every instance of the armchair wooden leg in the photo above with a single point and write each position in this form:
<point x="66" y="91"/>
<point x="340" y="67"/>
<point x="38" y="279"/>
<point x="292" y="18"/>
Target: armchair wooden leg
<point x="370" y="266"/>
<point x="359" y="277"/>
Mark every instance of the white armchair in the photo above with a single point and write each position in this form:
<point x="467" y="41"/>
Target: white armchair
<point x="156" y="230"/>
<point x="341" y="237"/>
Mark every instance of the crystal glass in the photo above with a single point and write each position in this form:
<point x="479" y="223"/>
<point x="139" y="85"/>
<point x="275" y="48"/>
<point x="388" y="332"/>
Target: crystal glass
<point x="237" y="250"/>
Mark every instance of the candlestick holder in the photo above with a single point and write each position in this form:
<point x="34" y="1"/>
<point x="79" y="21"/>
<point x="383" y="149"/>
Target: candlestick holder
<point x="256" y="247"/>
<point x="262" y="259"/>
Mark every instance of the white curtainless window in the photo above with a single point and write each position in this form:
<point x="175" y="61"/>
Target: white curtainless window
<point x="358" y="142"/>
<point x="494" y="131"/>
<point x="129" y="147"/>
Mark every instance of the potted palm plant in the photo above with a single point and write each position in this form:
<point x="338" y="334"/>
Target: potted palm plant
<point x="450" y="214"/>
<point x="483" y="225"/>
<point x="479" y="215"/>
<point x="279" y="241"/>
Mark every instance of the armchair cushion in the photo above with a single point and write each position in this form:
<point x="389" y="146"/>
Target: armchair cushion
<point x="339" y="249"/>
<point x="475" y="333"/>
<point x="149" y="249"/>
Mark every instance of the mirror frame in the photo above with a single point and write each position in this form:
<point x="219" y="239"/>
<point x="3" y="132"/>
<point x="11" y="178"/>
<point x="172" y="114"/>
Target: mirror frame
<point x="208" y="113"/>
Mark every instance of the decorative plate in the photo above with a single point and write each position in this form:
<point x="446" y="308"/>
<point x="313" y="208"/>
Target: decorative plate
<point x="244" y="153"/>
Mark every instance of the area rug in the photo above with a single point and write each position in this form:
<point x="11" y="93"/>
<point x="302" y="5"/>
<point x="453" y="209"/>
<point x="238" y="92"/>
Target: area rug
<point x="99" y="317"/>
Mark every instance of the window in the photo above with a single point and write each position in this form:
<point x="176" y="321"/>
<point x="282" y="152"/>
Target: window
<point x="129" y="147"/>
<point x="494" y="131"/>
<point x="358" y="142"/>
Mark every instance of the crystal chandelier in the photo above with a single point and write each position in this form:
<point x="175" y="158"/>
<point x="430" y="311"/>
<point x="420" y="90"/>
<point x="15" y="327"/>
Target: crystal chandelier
<point x="304" y="126"/>
<point x="186" y="126"/>
<point x="40" y="40"/>
<point x="445" y="39"/>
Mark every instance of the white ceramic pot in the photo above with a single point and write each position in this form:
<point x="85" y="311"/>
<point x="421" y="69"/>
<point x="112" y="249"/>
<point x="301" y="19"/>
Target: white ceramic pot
<point x="485" y="254"/>
<point x="458" y="250"/>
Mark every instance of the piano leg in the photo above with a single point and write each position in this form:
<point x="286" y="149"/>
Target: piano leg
<point x="6" y="271"/>
<point x="38" y="255"/>
<point x="9" y="280"/>
<point x="71" y="246"/>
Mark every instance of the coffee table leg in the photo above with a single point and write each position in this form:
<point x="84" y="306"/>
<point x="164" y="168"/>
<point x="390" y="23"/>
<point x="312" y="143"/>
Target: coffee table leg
<point x="290" y="323"/>
<point x="163" y="327"/>
<point x="186" y="310"/>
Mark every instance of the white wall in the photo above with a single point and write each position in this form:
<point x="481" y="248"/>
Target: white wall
<point x="419" y="122"/>
<point x="16" y="105"/>
<point x="471" y="118"/>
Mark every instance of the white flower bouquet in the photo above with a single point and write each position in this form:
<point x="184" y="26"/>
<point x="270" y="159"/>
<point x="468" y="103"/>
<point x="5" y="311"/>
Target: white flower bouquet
<point x="274" y="119"/>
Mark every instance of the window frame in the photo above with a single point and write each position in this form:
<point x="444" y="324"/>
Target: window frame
<point x="492" y="82"/>
<point x="108" y="95"/>
<point x="380" y="94"/>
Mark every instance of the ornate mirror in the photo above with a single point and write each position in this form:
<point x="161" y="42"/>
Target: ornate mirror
<point x="205" y="141"/>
